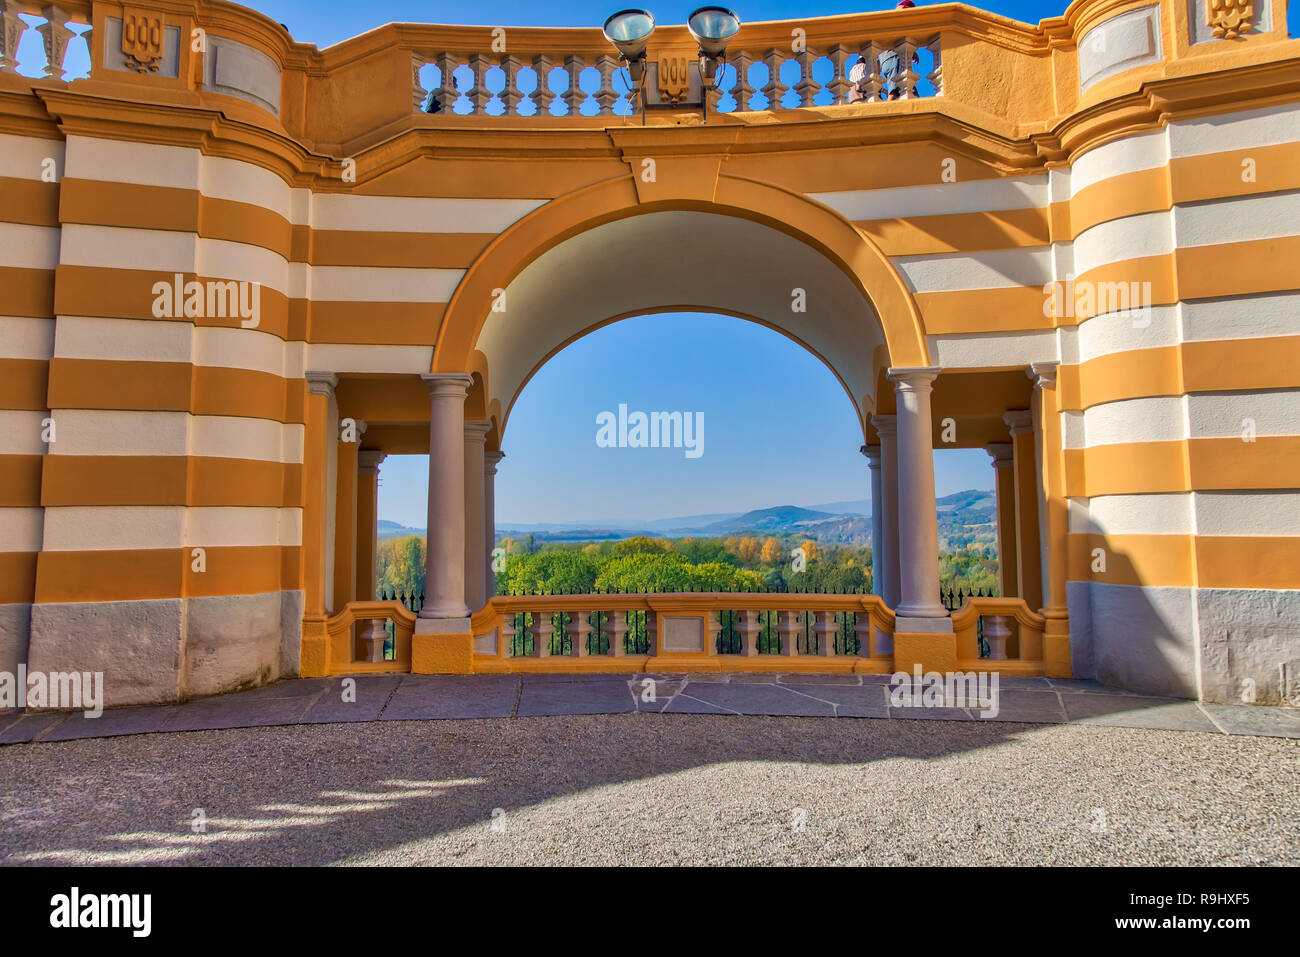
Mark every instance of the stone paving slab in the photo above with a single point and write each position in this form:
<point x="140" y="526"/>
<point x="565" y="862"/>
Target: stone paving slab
<point x="1130" y="711"/>
<point x="613" y="695"/>
<point x="394" y="697"/>
<point x="851" y="701"/>
<point x="111" y="723"/>
<point x="760" y="699"/>
<point x="453" y="696"/>
<point x="231" y="711"/>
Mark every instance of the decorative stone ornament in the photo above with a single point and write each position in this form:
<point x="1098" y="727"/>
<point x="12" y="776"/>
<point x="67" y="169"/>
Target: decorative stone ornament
<point x="674" y="77"/>
<point x="1229" y="18"/>
<point x="142" y="40"/>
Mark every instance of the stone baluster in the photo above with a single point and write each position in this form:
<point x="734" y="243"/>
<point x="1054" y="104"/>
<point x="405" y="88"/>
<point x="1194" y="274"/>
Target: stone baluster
<point x="506" y="636"/>
<point x="743" y="90"/>
<point x="839" y="84"/>
<point x="807" y="87"/>
<point x="578" y="629"/>
<point x="749" y="628"/>
<point x="790" y="629"/>
<point x="479" y="94"/>
<point x="617" y="633"/>
<point x="997" y="631"/>
<point x="511" y="95"/>
<point x="936" y="75"/>
<point x="55" y="33"/>
<point x="907" y="78"/>
<point x="862" y="630"/>
<point x="871" y="83"/>
<point x="418" y="92"/>
<point x="774" y="89"/>
<point x="543" y="629"/>
<point x="543" y="95"/>
<point x="11" y="32"/>
<point x="446" y="94"/>
<point x="652" y="632"/>
<point x="825" y="629"/>
<point x="574" y="97"/>
<point x="606" y="96"/>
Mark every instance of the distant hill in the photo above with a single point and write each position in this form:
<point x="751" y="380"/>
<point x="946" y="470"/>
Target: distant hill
<point x="962" y="516"/>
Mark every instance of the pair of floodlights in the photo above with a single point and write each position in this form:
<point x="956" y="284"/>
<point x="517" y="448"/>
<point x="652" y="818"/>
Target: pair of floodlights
<point x="712" y="27"/>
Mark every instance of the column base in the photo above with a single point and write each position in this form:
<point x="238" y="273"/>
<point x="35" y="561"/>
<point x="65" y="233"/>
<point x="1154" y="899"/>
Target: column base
<point x="922" y="625"/>
<point x="1056" y="643"/>
<point x="929" y="651"/>
<point x="313" y="661"/>
<point x="442" y="646"/>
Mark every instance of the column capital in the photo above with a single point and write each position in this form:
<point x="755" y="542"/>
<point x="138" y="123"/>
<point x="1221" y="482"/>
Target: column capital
<point x="1021" y="421"/>
<point x="886" y="425"/>
<point x="368" y="461"/>
<point x="321" y="383"/>
<point x="491" y="459"/>
<point x="872" y="452"/>
<point x="912" y="379"/>
<point x="447" y="383"/>
<point x="1000" y="453"/>
<point x="477" y="429"/>
<point x="1043" y="374"/>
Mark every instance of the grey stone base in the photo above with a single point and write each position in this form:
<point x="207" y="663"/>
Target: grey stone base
<point x="166" y="650"/>
<point x="15" y="625"/>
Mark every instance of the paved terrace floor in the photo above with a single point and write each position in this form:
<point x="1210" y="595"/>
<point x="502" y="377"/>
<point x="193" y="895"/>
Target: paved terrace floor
<point x="425" y="697"/>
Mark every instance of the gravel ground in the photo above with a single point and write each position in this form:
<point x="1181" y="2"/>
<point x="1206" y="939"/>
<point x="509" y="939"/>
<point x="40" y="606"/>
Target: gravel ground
<point x="655" y="789"/>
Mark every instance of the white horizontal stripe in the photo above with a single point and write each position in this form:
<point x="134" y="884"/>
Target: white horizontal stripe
<point x="20" y="432"/>
<point x="141" y="340"/>
<point x="222" y="178"/>
<point x="100" y="528"/>
<point x="1235" y="131"/>
<point x="22" y="337"/>
<point x="1244" y="317"/>
<point x="1248" y="513"/>
<point x="1152" y="514"/>
<point x="225" y="348"/>
<point x="993" y="269"/>
<point x="1072" y="430"/>
<point x="332" y="357"/>
<point x="1129" y="155"/>
<point x="96" y="432"/>
<point x="120" y="161"/>
<point x="1118" y="240"/>
<point x="1127" y="332"/>
<point x="376" y="284"/>
<point x="29" y="247"/>
<point x="20" y="529"/>
<point x="406" y="214"/>
<point x="1238" y="220"/>
<point x="1213" y="415"/>
<point x="23" y="157"/>
<point x="976" y="196"/>
<point x="993" y="350"/>
<point x="1156" y="419"/>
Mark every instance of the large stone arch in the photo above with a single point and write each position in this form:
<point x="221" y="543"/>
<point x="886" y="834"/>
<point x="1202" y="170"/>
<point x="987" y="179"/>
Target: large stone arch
<point x="830" y="236"/>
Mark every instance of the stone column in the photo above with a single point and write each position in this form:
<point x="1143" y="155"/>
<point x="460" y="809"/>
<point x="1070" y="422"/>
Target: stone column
<point x="886" y="428"/>
<point x="491" y="460"/>
<point x="1029" y="572"/>
<point x="346" y="532"/>
<point x="1053" y="519"/>
<point x="476" y="431"/>
<point x="881" y="642"/>
<point x="918" y="523"/>
<point x="373" y="634"/>
<point x="444" y="568"/>
<point x="997" y="629"/>
<point x="368" y="462"/>
<point x="318" y="436"/>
